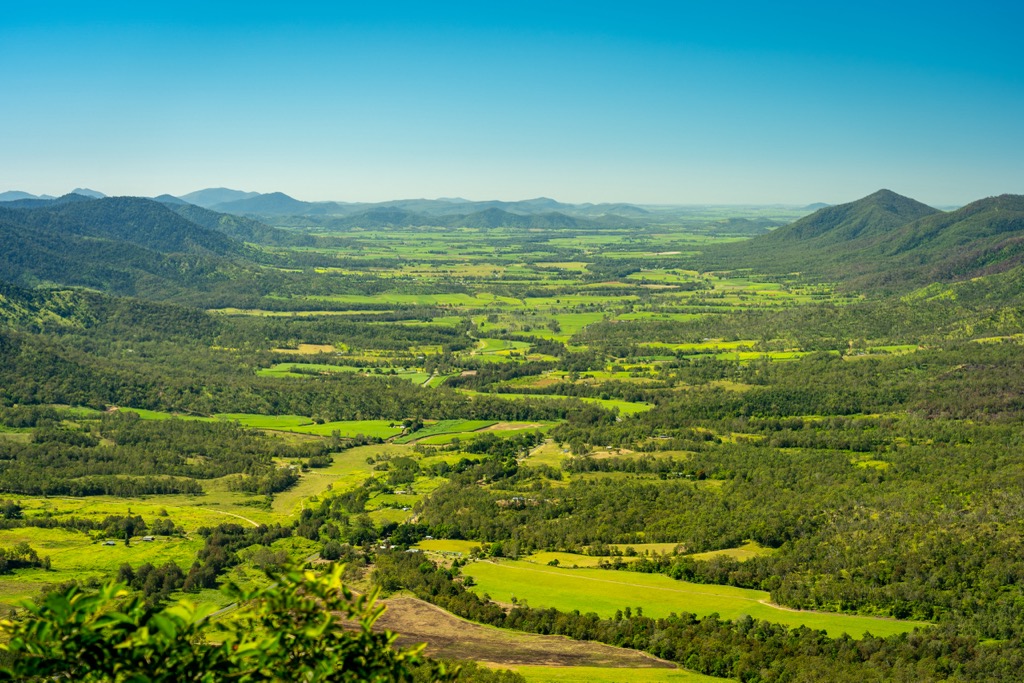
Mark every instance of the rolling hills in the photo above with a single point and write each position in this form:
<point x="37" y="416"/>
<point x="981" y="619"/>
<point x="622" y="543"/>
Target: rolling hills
<point x="541" y="212"/>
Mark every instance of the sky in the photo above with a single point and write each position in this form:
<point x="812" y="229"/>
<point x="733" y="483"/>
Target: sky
<point x="685" y="102"/>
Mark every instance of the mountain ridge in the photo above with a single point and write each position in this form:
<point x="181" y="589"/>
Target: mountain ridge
<point x="890" y="241"/>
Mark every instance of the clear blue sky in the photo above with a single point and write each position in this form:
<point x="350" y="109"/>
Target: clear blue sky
<point x="654" y="102"/>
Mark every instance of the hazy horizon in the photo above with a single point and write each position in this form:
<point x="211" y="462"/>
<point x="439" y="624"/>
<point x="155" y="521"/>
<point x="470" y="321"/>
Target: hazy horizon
<point x="486" y="199"/>
<point x="654" y="103"/>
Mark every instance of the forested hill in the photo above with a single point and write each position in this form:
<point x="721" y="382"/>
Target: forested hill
<point x="240" y="227"/>
<point x="142" y="222"/>
<point x="125" y="245"/>
<point x="889" y="241"/>
<point x="872" y="216"/>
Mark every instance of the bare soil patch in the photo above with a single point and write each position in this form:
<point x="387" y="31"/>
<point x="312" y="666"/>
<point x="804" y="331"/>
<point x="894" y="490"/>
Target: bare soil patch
<point x="510" y="426"/>
<point x="448" y="636"/>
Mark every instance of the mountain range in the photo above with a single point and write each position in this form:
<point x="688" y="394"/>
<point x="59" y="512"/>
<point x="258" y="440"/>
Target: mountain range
<point x="541" y="212"/>
<point x="279" y="203"/>
<point x="160" y="247"/>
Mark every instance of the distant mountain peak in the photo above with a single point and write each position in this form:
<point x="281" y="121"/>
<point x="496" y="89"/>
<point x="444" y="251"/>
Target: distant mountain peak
<point x="216" y="195"/>
<point x="86" y="192"/>
<point x="169" y="199"/>
<point x="15" y="195"/>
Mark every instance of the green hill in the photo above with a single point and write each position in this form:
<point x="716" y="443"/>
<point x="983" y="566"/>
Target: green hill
<point x="241" y="228"/>
<point x="889" y="241"/>
<point x="873" y="215"/>
<point x="125" y="245"/>
<point x="142" y="222"/>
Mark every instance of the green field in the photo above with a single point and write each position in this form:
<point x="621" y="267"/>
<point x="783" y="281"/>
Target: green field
<point x="445" y="545"/>
<point x="383" y="429"/>
<point x="604" y="592"/>
<point x="74" y="555"/>
<point x="648" y="548"/>
<point x="624" y="407"/>
<point x="307" y="370"/>
<point x="279" y="422"/>
<point x="572" y="560"/>
<point x="445" y="427"/>
<point x="744" y="552"/>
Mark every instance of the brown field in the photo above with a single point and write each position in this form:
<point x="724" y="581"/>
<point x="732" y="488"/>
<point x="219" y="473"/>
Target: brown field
<point x="450" y="637"/>
<point x="309" y="349"/>
<point x="510" y="426"/>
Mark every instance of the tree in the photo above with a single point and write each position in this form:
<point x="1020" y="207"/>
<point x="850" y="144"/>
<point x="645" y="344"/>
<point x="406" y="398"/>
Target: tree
<point x="291" y="630"/>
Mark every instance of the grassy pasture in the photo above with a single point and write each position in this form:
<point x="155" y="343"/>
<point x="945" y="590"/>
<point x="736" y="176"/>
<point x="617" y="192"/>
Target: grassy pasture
<point x="308" y="349"/>
<point x="261" y="313"/>
<point x="75" y="555"/>
<point x="276" y="422"/>
<point x="446" y="427"/>
<point x="625" y="407"/>
<point x="383" y="429"/>
<point x="503" y="428"/>
<point x="654" y="315"/>
<point x="161" y="415"/>
<point x="648" y="548"/>
<point x="568" y="324"/>
<point x="446" y="545"/>
<point x="445" y="439"/>
<point x="571" y="560"/>
<point x="548" y="453"/>
<point x="189" y="512"/>
<point x="455" y="300"/>
<point x="604" y="592"/>
<point x="306" y="370"/>
<point x="348" y="471"/>
<point x="744" y="552"/>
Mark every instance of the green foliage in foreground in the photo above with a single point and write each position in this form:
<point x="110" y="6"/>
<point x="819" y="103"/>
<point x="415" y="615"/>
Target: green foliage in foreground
<point x="290" y="631"/>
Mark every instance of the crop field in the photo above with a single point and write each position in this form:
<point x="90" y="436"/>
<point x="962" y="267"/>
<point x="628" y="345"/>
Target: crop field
<point x="604" y="592"/>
